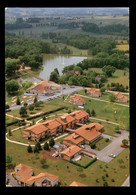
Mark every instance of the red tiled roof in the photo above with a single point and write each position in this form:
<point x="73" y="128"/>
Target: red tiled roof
<point x="74" y="183"/>
<point x="76" y="99"/>
<point x="51" y="124"/>
<point x="89" y="132"/>
<point x="74" y="138"/>
<point x="65" y="119"/>
<point x="24" y="172"/>
<point x="72" y="150"/>
<point x="37" y="128"/>
<point x="40" y="177"/>
<point x="120" y="96"/>
<point x="79" y="114"/>
<point x="41" y="86"/>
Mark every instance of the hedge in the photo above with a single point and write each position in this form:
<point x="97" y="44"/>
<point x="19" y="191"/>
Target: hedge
<point x="14" y="122"/>
<point x="87" y="165"/>
<point x="44" y="113"/>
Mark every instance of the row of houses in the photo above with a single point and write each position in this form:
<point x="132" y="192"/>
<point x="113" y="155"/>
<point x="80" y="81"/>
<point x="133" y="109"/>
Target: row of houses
<point x="58" y="125"/>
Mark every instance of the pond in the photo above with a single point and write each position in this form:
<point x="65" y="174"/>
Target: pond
<point x="50" y="62"/>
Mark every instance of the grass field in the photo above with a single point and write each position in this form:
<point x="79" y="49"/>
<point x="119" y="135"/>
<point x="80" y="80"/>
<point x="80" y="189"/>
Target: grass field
<point x="117" y="77"/>
<point x="118" y="168"/>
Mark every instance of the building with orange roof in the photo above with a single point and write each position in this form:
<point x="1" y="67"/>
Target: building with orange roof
<point x="121" y="97"/>
<point x="23" y="173"/>
<point x="70" y="152"/>
<point x="76" y="184"/>
<point x="90" y="132"/>
<point x="73" y="139"/>
<point x="77" y="100"/>
<point x="43" y="87"/>
<point x="53" y="126"/>
<point x="93" y="92"/>
<point x="80" y="116"/>
<point x="35" y="132"/>
<point x="67" y="121"/>
<point x="43" y="179"/>
<point x="23" y="176"/>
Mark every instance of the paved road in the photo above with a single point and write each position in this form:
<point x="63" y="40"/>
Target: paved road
<point x="67" y="91"/>
<point x="112" y="148"/>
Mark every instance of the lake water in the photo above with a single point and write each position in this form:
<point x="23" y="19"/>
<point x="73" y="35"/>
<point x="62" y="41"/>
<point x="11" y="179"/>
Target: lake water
<point x="50" y="62"/>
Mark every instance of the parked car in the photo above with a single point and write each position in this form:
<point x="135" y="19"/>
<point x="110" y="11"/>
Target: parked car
<point x="123" y="146"/>
<point x="119" y="132"/>
<point x="112" y="155"/>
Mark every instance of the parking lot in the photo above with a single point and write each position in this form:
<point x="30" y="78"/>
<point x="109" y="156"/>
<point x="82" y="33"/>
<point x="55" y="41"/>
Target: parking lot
<point x="65" y="90"/>
<point x="112" y="148"/>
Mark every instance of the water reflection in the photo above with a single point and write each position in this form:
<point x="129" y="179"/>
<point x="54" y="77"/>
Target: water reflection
<point x="50" y="62"/>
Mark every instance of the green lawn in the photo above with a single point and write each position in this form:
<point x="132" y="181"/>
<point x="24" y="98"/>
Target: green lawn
<point x="100" y="144"/>
<point x="117" y="77"/>
<point x="117" y="170"/>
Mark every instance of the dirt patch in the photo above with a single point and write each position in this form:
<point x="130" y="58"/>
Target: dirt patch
<point x="47" y="154"/>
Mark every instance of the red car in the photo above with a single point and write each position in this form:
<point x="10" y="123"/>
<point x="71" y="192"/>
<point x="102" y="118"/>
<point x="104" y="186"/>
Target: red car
<point x="122" y="145"/>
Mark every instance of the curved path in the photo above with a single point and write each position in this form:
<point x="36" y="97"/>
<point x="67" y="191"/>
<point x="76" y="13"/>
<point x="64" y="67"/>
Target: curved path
<point x="23" y="144"/>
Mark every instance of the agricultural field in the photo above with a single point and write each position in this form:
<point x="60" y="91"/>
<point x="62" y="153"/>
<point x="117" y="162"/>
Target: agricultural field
<point x="124" y="47"/>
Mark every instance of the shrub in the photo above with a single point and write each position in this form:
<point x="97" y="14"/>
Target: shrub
<point x="107" y="139"/>
<point x="29" y="149"/>
<point x="93" y="146"/>
<point x="46" y="146"/>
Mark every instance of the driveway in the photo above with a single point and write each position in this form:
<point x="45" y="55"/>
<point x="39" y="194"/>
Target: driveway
<point x="112" y="148"/>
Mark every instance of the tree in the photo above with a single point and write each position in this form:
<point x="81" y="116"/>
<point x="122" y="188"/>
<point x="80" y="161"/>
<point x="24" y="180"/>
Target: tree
<point x="8" y="158"/>
<point x="25" y="104"/>
<point x="125" y="142"/>
<point x="102" y="90"/>
<point x="109" y="70"/>
<point x="51" y="142"/>
<point x="12" y="86"/>
<point x="88" y="111"/>
<point x="29" y="149"/>
<point x="35" y="99"/>
<point x="36" y="150"/>
<point x="112" y="98"/>
<point x="93" y="112"/>
<point x="54" y="76"/>
<point x="46" y="146"/>
<point x="7" y="106"/>
<point x="38" y="145"/>
<point x="93" y="146"/>
<point x="22" y="111"/>
<point x="105" y="184"/>
<point x="31" y="107"/>
<point x="11" y="65"/>
<point x="18" y="101"/>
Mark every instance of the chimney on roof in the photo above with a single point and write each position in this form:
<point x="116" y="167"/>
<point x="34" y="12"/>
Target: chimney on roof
<point x="63" y="117"/>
